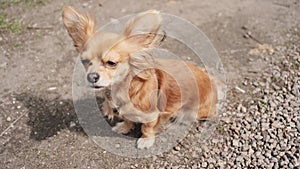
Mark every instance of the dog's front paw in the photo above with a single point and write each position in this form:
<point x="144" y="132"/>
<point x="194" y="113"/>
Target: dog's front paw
<point x="122" y="128"/>
<point x="109" y="115"/>
<point x="107" y="111"/>
<point x="145" y="142"/>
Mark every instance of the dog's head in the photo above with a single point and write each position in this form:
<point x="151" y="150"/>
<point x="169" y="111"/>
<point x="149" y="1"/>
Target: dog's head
<point x="107" y="55"/>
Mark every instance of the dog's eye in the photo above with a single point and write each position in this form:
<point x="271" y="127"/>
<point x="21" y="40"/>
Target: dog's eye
<point x="111" y="63"/>
<point x="86" y="62"/>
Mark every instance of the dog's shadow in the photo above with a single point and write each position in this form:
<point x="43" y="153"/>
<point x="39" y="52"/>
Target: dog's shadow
<point x="49" y="116"/>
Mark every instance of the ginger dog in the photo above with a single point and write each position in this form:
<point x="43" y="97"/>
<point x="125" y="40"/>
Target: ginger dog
<point x="141" y="86"/>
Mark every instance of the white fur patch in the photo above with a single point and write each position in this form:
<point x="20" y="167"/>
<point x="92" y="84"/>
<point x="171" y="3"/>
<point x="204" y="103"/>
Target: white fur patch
<point x="145" y="143"/>
<point x="121" y="128"/>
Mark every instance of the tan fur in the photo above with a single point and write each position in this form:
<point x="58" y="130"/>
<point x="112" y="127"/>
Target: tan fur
<point x="153" y="91"/>
<point x="80" y="27"/>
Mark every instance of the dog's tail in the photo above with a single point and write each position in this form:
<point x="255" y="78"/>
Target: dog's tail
<point x="221" y="94"/>
<point x="221" y="88"/>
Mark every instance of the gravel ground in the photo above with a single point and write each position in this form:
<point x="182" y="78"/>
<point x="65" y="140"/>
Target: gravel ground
<point x="258" y="43"/>
<point x="262" y="129"/>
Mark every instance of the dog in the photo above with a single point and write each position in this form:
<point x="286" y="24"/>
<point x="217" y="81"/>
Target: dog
<point x="136" y="83"/>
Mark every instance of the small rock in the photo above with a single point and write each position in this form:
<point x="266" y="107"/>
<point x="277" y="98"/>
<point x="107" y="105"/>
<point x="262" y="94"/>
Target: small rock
<point x="235" y="143"/>
<point x="244" y="109"/>
<point x="204" y="164"/>
<point x="240" y="90"/>
<point x="258" y="154"/>
<point x="251" y="151"/>
<point x="226" y="119"/>
<point x="72" y="124"/>
<point x="3" y="65"/>
<point x="262" y="84"/>
<point x="8" y="119"/>
<point x="261" y="48"/>
<point x="215" y="141"/>
<point x="256" y="90"/>
<point x="52" y="88"/>
<point x="255" y="84"/>
<point x="85" y="4"/>
<point x="277" y="124"/>
<point x="258" y="137"/>
<point x="195" y="154"/>
<point x="291" y="165"/>
<point x="177" y="148"/>
<point x="240" y="159"/>
<point x="239" y="107"/>
<point x="151" y="166"/>
<point x="123" y="10"/>
<point x="114" y="21"/>
<point x="246" y="36"/>
<point x="265" y="126"/>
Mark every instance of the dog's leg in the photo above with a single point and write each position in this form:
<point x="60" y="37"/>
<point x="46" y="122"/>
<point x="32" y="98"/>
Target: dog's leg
<point x="150" y="129"/>
<point x="208" y="112"/>
<point x="123" y="127"/>
<point x="107" y="110"/>
<point x="148" y="137"/>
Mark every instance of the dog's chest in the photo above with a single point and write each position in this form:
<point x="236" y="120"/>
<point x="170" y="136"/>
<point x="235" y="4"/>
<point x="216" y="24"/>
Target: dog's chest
<point x="123" y="108"/>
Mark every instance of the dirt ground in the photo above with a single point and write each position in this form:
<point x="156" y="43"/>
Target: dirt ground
<point x="37" y="119"/>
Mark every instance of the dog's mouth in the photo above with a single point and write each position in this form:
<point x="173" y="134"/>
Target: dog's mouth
<point x="96" y="87"/>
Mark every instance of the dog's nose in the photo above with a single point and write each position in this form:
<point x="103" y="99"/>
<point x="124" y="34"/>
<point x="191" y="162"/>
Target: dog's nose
<point x="93" y="77"/>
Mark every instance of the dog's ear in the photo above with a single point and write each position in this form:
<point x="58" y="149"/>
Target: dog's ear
<point x="142" y="64"/>
<point x="80" y="26"/>
<point x="143" y="31"/>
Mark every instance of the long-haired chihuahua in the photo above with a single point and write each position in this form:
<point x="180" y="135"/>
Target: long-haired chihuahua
<point x="142" y="87"/>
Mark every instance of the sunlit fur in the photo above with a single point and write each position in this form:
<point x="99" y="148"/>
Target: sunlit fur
<point x="100" y="47"/>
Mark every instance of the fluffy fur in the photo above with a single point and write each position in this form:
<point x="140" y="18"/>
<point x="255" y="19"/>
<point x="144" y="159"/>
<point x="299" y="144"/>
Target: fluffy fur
<point x="142" y="89"/>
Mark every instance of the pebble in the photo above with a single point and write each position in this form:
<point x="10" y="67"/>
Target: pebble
<point x="85" y="4"/>
<point x="72" y="124"/>
<point x="52" y="88"/>
<point x="256" y="90"/>
<point x="204" y="164"/>
<point x="240" y="89"/>
<point x="8" y="119"/>
<point x="215" y="141"/>
<point x="114" y="21"/>
<point x="177" y="148"/>
<point x="244" y="109"/>
<point x="235" y="143"/>
<point x="251" y="151"/>
<point x="3" y="65"/>
<point x="226" y="120"/>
